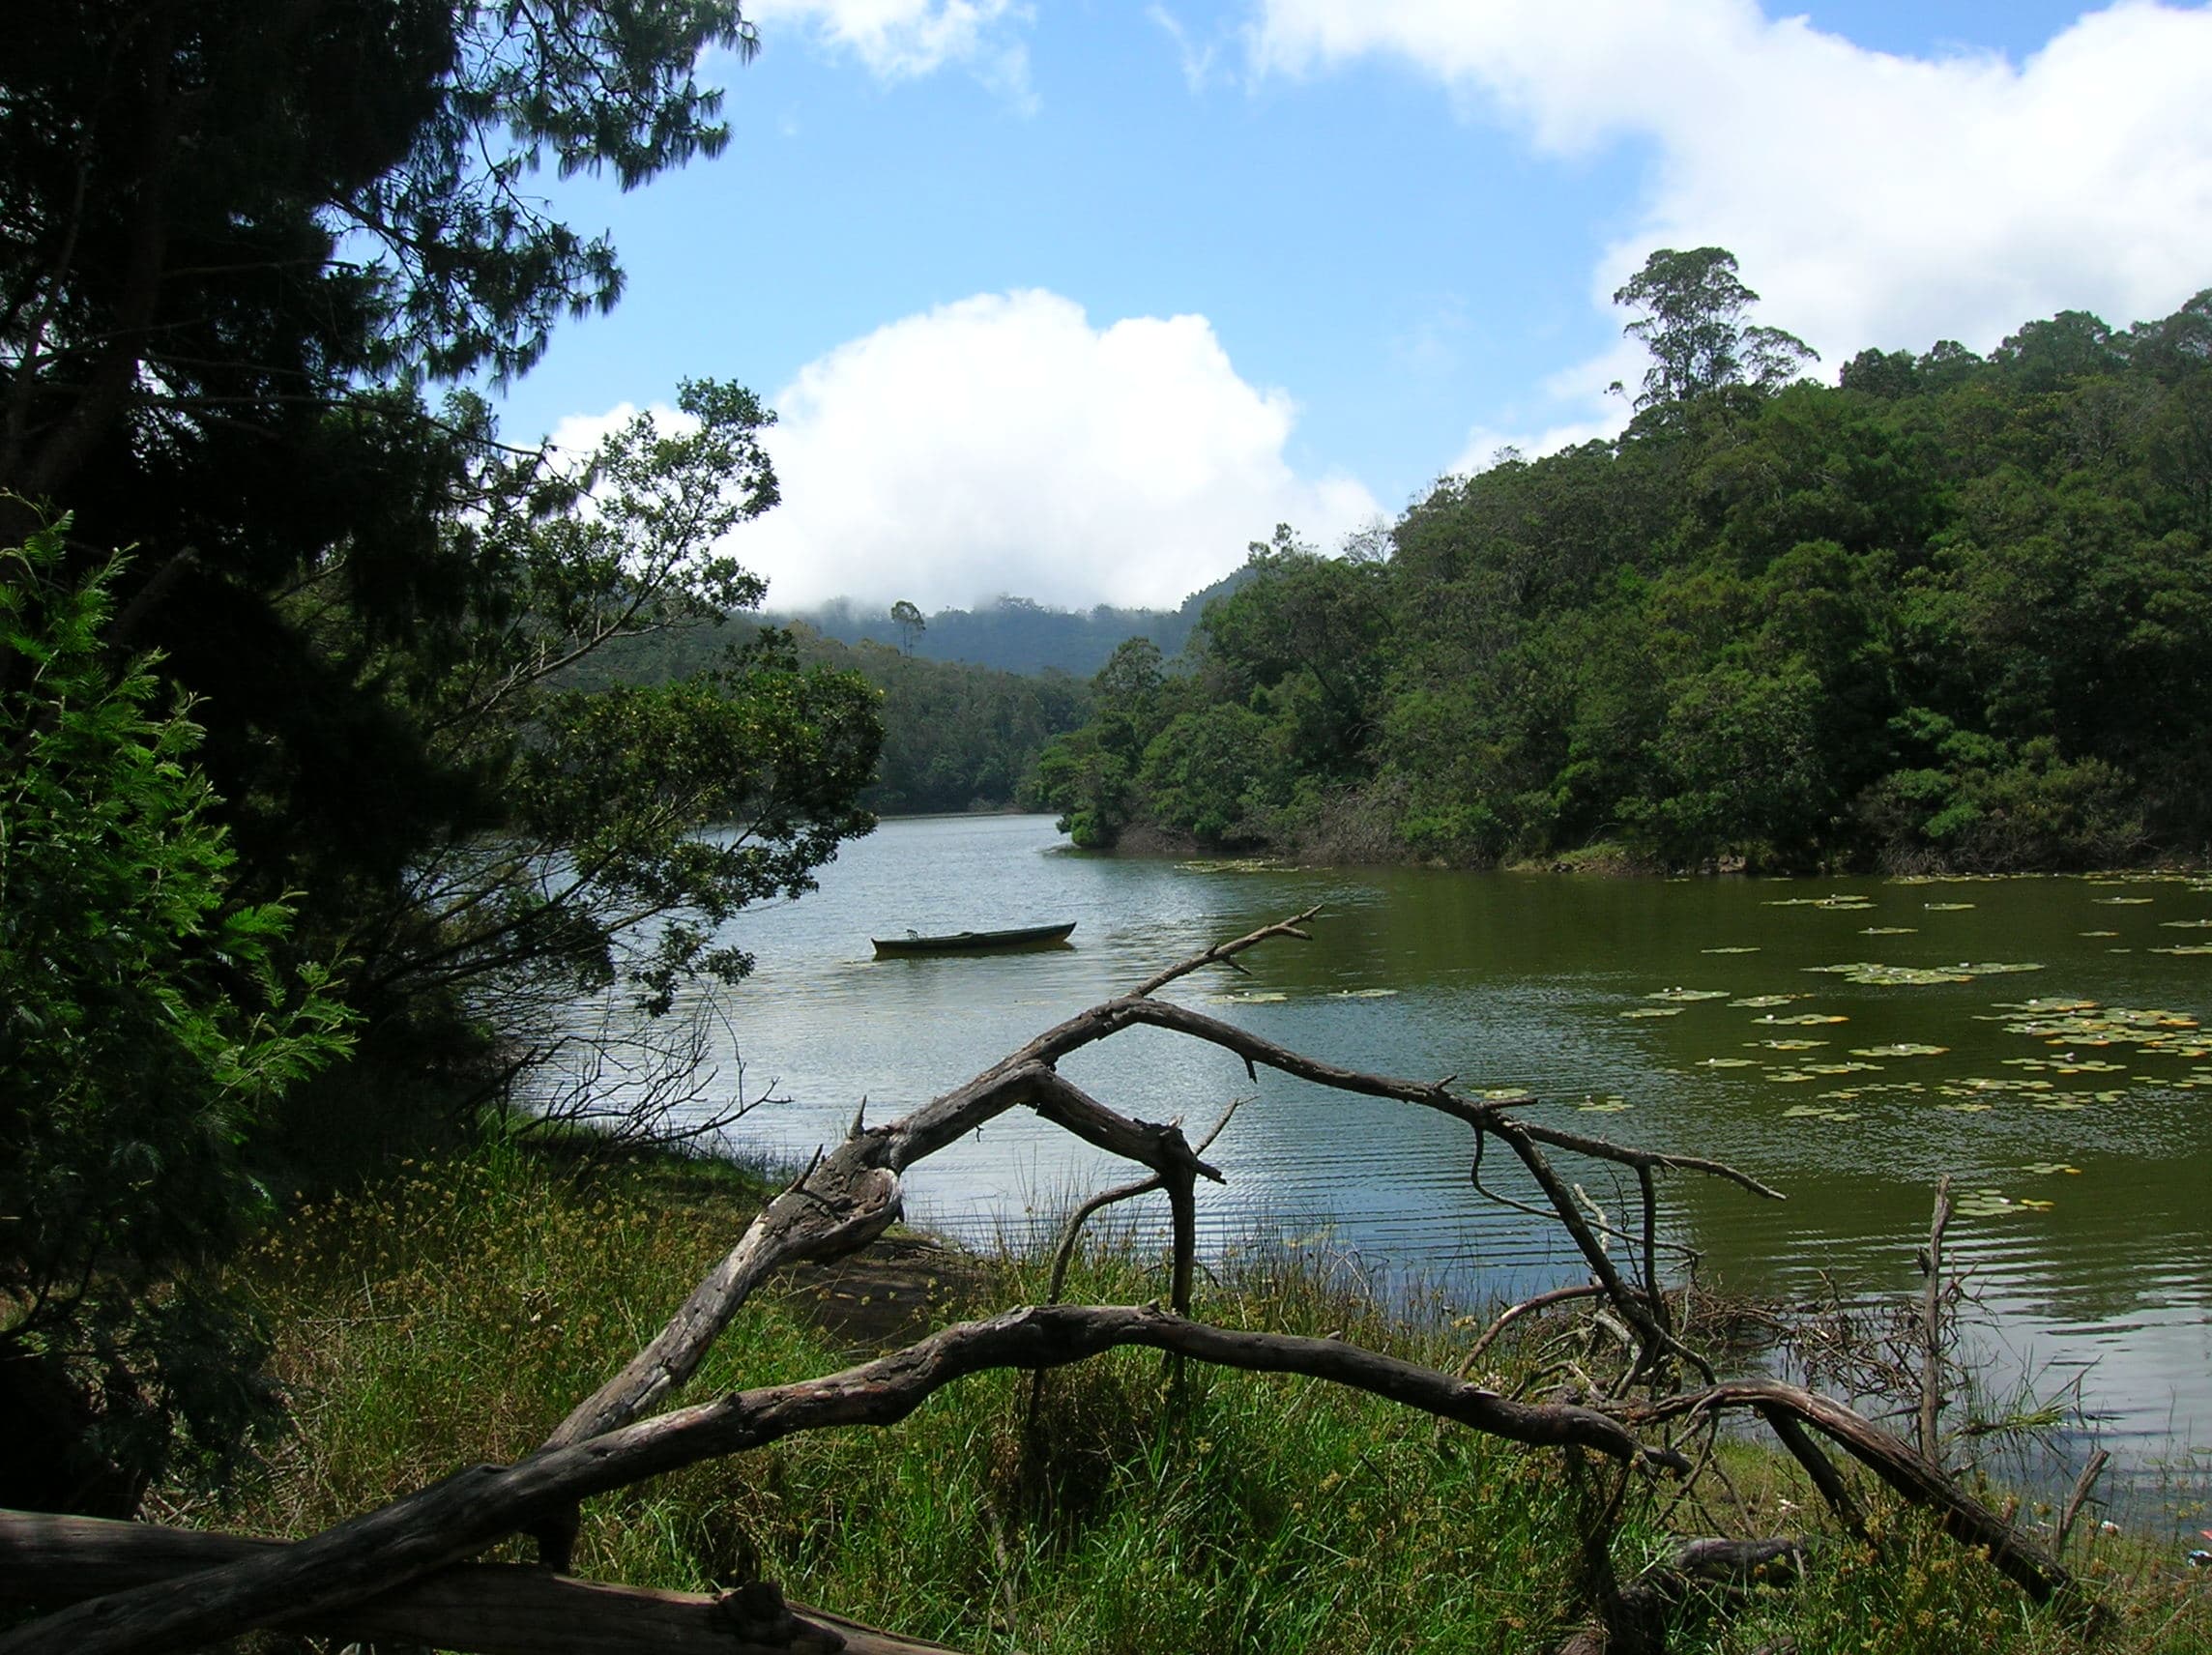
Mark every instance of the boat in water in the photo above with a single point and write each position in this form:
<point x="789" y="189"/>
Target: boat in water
<point x="974" y="942"/>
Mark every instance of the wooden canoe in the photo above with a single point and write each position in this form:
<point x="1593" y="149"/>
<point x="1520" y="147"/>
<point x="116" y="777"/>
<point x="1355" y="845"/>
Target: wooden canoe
<point x="974" y="942"/>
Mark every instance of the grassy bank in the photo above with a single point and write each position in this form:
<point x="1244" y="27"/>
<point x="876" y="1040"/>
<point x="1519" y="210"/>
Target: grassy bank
<point x="453" y="1313"/>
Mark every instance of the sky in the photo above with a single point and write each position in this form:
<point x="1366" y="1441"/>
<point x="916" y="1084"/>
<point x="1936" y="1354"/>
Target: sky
<point x="1072" y="300"/>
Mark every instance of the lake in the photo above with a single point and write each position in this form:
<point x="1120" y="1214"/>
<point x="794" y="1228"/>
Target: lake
<point x="2036" y="1038"/>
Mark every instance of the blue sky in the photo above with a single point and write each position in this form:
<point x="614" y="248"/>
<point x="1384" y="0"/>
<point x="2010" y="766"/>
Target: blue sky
<point x="1073" y="299"/>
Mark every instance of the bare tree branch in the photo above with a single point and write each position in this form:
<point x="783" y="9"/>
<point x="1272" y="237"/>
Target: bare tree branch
<point x="454" y="1518"/>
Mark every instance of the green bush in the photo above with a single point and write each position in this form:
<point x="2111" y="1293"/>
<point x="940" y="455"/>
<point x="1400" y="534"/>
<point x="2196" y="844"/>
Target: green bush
<point x="147" y="1028"/>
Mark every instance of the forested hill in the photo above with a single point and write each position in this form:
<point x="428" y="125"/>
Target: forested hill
<point x="955" y="737"/>
<point x="1953" y="611"/>
<point x="1015" y="635"/>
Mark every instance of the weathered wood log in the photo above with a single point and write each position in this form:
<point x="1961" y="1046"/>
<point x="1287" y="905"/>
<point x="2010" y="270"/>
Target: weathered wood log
<point x="490" y="1609"/>
<point x="457" y="1517"/>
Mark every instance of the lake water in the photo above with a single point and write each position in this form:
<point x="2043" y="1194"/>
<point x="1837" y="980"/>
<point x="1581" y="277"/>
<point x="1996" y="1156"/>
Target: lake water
<point x="2079" y="1134"/>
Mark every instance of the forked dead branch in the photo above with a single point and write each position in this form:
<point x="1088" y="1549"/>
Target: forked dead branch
<point x="402" y="1571"/>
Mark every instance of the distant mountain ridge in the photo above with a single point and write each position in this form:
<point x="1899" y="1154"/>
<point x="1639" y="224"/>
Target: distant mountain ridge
<point x="1017" y="634"/>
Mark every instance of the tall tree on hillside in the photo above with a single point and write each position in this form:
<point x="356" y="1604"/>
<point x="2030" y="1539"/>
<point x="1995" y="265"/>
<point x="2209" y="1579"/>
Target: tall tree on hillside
<point x="1693" y="306"/>
<point x="910" y="623"/>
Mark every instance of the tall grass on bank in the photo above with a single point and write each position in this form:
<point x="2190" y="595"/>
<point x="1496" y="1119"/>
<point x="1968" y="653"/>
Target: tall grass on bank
<point x="457" y="1311"/>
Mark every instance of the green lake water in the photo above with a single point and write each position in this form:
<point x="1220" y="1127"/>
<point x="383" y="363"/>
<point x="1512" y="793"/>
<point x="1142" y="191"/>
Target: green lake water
<point x="1690" y="1015"/>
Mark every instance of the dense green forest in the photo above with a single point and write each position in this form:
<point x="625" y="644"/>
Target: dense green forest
<point x="1953" y="611"/>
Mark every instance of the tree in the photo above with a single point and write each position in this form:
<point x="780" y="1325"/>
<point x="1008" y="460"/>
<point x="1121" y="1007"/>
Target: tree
<point x="237" y="239"/>
<point x="603" y="796"/>
<point x="910" y="622"/>
<point x="1693" y="306"/>
<point x="1299" y="639"/>
<point x="148" y="1026"/>
<point x="206" y="199"/>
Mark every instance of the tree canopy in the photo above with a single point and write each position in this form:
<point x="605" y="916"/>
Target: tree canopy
<point x="1692" y="308"/>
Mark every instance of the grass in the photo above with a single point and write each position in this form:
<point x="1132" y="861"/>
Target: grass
<point x="455" y="1311"/>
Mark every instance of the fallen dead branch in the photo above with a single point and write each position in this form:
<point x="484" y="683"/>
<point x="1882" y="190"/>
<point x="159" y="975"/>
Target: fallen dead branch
<point x="852" y="1193"/>
<point x="459" y="1516"/>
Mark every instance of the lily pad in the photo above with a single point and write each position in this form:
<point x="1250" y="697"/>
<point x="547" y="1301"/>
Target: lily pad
<point x="1737" y="951"/>
<point x="1983" y="1204"/>
<point x="1878" y="975"/>
<point x="2186" y="924"/>
<point x="2096" y="933"/>
<point x="1730" y="1064"/>
<point x="1787" y="1045"/>
<point x="2000" y="968"/>
<point x="1366" y="993"/>
<point x="1818" y="1111"/>
<point x="1890" y="931"/>
<point x="1605" y="1106"/>
<point x="2045" y="1169"/>
<point x="1902" y="1048"/>
<point x="2124" y="901"/>
<point x="1946" y="907"/>
<point x="1688" y="996"/>
<point x="2186" y="949"/>
<point x="1804" y="1019"/>
<point x="1654" y="1012"/>
<point x="1760" y="1002"/>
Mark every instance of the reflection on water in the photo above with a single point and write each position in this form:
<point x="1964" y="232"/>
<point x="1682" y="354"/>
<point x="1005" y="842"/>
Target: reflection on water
<point x="2083" y="1135"/>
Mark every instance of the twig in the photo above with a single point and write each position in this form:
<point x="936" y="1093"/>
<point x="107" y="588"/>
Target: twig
<point x="1226" y="952"/>
<point x="1514" y="1312"/>
<point x="1931" y="1324"/>
<point x="2080" y="1498"/>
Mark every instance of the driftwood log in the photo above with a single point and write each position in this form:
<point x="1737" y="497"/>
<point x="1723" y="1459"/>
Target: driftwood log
<point x="500" y="1608"/>
<point x="409" y="1558"/>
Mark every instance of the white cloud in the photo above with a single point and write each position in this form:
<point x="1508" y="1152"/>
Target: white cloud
<point x="1006" y="445"/>
<point x="904" y="40"/>
<point x="1872" y="199"/>
<point x="1198" y="60"/>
